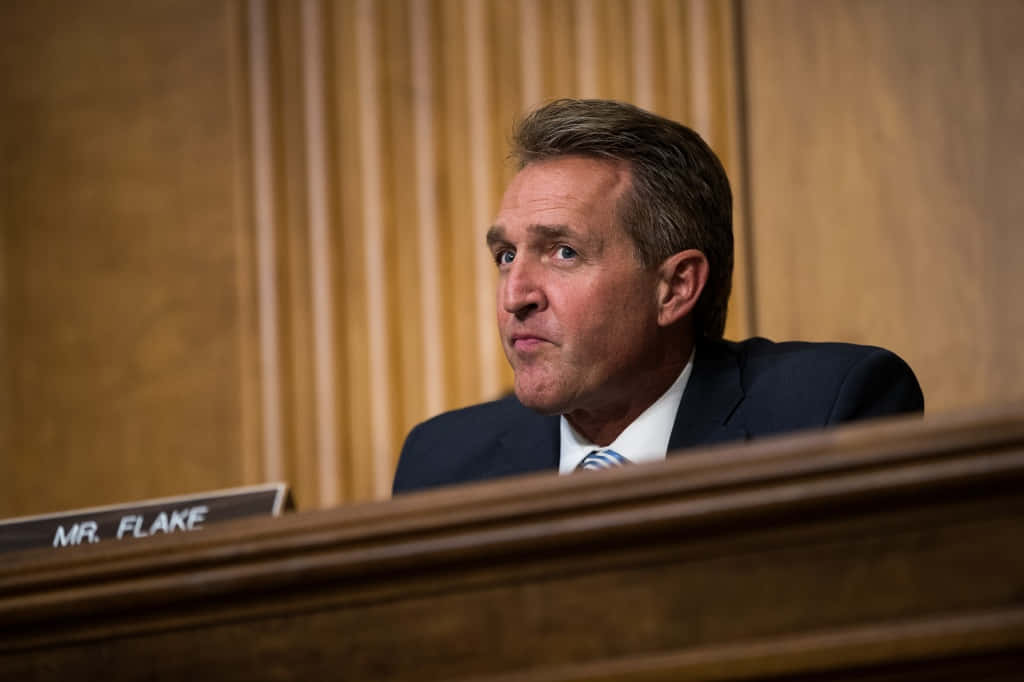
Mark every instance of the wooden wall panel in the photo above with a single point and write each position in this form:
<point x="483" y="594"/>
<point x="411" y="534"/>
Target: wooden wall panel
<point x="886" y="159"/>
<point x="123" y="322"/>
<point x="244" y="240"/>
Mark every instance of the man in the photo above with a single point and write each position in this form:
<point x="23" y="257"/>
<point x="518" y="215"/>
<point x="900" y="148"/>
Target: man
<point x="614" y="252"/>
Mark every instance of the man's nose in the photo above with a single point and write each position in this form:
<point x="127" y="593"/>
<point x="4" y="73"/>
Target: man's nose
<point x="522" y="289"/>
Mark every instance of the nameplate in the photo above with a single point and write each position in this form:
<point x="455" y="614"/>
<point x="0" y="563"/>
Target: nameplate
<point x="183" y="514"/>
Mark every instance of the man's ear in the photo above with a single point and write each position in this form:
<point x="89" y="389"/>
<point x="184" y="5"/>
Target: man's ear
<point x="681" y="279"/>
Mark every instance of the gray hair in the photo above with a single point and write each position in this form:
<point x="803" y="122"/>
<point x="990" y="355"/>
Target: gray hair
<point x="679" y="198"/>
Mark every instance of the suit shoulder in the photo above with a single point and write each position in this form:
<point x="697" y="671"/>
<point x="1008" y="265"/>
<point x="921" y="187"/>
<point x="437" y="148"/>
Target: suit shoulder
<point x="823" y="359"/>
<point x="440" y="450"/>
<point x="836" y="381"/>
<point x="758" y="348"/>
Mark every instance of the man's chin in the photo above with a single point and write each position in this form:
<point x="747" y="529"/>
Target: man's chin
<point x="540" y="402"/>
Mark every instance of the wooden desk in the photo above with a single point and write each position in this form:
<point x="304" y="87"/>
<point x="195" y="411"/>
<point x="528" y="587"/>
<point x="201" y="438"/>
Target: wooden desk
<point x="884" y="551"/>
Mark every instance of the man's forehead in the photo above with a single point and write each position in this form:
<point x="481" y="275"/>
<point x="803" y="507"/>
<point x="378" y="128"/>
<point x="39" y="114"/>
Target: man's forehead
<point x="568" y="179"/>
<point x="563" y="196"/>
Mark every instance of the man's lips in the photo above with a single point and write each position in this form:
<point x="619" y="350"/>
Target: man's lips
<point x="525" y="342"/>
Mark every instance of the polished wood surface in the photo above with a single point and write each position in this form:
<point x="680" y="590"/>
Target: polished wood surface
<point x="881" y="552"/>
<point x="885" y="164"/>
<point x="122" y="314"/>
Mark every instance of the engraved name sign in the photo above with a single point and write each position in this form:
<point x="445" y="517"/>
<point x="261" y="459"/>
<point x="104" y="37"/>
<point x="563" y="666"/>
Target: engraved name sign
<point x="142" y="519"/>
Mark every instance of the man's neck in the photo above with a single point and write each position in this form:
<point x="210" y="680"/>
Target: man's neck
<point x="603" y="424"/>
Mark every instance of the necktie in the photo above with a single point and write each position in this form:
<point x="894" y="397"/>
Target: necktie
<point x="601" y="459"/>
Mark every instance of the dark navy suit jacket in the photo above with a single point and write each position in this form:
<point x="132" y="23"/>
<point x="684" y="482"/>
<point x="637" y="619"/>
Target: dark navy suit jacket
<point x="736" y="391"/>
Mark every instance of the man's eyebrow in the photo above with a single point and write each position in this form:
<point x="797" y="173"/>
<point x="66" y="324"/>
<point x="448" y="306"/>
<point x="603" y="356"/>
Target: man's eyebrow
<point x="550" y="232"/>
<point x="593" y="243"/>
<point x="496" y="233"/>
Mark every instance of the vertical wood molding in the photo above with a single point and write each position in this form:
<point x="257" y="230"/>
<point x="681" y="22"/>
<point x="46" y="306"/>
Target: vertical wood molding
<point x="353" y="316"/>
<point x="700" y="69"/>
<point x="481" y="177"/>
<point x="530" y="36"/>
<point x="742" y="318"/>
<point x="381" y="388"/>
<point x="643" y="57"/>
<point x="586" y="50"/>
<point x="246" y="274"/>
<point x="430" y="301"/>
<point x="7" y="423"/>
<point x="673" y="62"/>
<point x="264" y="216"/>
<point x="319" y="256"/>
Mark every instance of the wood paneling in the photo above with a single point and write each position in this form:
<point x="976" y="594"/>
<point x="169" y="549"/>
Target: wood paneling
<point x="886" y="159"/>
<point x="122" y="316"/>
<point x="244" y="239"/>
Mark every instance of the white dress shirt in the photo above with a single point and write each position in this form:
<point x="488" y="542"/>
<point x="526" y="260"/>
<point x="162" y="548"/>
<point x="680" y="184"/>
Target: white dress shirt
<point x="644" y="440"/>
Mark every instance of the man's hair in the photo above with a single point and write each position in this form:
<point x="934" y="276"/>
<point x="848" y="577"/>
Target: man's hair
<point x="679" y="198"/>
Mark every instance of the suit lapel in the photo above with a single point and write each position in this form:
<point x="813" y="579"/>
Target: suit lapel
<point x="706" y="412"/>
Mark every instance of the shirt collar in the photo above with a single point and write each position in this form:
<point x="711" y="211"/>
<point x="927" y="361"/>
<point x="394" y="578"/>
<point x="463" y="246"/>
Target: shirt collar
<point x="644" y="440"/>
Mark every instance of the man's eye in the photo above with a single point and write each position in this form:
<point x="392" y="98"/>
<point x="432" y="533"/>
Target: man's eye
<point x="504" y="257"/>
<point x="566" y="252"/>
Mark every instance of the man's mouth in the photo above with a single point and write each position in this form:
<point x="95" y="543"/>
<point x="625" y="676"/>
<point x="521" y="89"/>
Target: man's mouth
<point x="527" y="342"/>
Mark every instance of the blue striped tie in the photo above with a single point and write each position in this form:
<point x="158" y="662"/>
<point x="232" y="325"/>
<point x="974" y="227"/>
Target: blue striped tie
<point x="601" y="459"/>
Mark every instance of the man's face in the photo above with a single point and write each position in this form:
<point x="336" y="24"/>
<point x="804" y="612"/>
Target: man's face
<point x="577" y="313"/>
